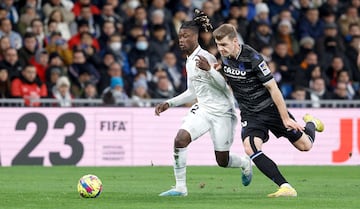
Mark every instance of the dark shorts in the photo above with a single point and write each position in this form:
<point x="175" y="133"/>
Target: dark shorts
<point x="258" y="124"/>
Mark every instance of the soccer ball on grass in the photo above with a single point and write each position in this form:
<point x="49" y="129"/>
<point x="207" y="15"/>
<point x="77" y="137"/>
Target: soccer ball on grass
<point x="89" y="186"/>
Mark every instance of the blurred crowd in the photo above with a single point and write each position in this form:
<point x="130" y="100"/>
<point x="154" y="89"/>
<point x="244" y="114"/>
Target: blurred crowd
<point x="124" y="51"/>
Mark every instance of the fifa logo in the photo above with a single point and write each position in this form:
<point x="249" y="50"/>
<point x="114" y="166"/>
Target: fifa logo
<point x="344" y="152"/>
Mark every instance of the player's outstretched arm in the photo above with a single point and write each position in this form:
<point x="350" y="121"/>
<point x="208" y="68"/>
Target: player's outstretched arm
<point x="159" y="108"/>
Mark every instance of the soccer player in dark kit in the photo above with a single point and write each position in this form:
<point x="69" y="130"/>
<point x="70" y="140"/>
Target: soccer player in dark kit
<point x="262" y="106"/>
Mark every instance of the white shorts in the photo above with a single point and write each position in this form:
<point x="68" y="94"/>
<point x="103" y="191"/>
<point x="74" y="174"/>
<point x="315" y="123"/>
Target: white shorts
<point x="221" y="128"/>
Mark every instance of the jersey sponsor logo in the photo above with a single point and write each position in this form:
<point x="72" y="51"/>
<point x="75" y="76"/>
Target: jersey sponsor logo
<point x="234" y="71"/>
<point x="264" y="68"/>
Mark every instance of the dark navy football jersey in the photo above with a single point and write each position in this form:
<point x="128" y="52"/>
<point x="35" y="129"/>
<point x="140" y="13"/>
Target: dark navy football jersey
<point x="246" y="75"/>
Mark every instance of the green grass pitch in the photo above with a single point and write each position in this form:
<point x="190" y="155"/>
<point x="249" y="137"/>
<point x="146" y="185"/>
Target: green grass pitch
<point x="320" y="187"/>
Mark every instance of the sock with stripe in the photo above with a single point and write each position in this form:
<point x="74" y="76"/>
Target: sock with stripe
<point x="268" y="167"/>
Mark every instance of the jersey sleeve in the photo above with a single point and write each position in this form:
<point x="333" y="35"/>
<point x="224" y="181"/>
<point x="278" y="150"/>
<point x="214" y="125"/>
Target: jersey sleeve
<point x="187" y="96"/>
<point x="263" y="71"/>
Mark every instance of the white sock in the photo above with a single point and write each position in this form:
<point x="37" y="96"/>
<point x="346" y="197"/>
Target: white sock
<point x="180" y="155"/>
<point x="235" y="161"/>
<point x="286" y="185"/>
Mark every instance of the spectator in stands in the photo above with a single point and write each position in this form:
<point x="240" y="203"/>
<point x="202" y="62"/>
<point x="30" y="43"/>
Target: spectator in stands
<point x="115" y="93"/>
<point x="62" y="92"/>
<point x="276" y="6"/>
<point x="58" y="44"/>
<point x="11" y="63"/>
<point x="319" y="92"/>
<point x="85" y="14"/>
<point x="336" y="65"/>
<point x="80" y="72"/>
<point x="141" y="50"/>
<point x="53" y="73"/>
<point x="90" y="92"/>
<point x="344" y="77"/>
<point x="267" y="52"/>
<point x="175" y="72"/>
<point x="29" y="87"/>
<point x="6" y="29"/>
<point x="27" y="51"/>
<point x="162" y="87"/>
<point x="81" y="3"/>
<point x="330" y="31"/>
<point x="64" y="6"/>
<point x="108" y="14"/>
<point x="40" y="61"/>
<point x="307" y="45"/>
<point x="235" y="23"/>
<point x="115" y="47"/>
<point x="160" y="5"/>
<point x="61" y="26"/>
<point x="262" y="36"/>
<point x="240" y="12"/>
<point x="75" y="40"/>
<point x="114" y="70"/>
<point x="26" y="18"/>
<point x="299" y="95"/>
<point x="349" y="17"/>
<point x="352" y="53"/>
<point x="178" y="18"/>
<point x="90" y="50"/>
<point x="208" y="8"/>
<point x="284" y="33"/>
<point x="311" y="25"/>
<point x="158" y="45"/>
<point x="140" y="91"/>
<point x="354" y="30"/>
<point x="4" y="45"/>
<point x="139" y="19"/>
<point x="12" y="14"/>
<point x="284" y="63"/>
<point x="37" y="27"/>
<point x="341" y="92"/>
<point x="108" y="29"/>
<point x="158" y="18"/>
<point x="261" y="16"/>
<point x="5" y="84"/>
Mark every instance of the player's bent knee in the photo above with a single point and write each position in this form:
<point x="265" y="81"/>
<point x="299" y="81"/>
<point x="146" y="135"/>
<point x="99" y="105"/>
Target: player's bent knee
<point x="182" y="139"/>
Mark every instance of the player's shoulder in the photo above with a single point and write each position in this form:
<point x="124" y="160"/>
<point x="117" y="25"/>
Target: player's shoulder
<point x="250" y="53"/>
<point x="207" y="55"/>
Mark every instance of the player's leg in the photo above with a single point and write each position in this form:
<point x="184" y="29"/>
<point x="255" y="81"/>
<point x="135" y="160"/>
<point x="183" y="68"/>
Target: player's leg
<point x="194" y="126"/>
<point x="267" y="166"/>
<point x="305" y="142"/>
<point x="222" y="134"/>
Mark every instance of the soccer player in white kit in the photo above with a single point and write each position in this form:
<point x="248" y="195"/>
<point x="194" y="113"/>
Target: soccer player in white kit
<point x="214" y="111"/>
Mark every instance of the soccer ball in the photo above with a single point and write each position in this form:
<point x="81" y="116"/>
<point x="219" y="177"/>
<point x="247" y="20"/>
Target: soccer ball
<point x="89" y="186"/>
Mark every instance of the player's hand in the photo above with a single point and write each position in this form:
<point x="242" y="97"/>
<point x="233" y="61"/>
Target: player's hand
<point x="159" y="108"/>
<point x="202" y="63"/>
<point x="290" y="124"/>
<point x="217" y="66"/>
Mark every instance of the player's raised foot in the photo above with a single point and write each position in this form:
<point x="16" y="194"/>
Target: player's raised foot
<point x="284" y="191"/>
<point x="246" y="171"/>
<point x="174" y="192"/>
<point x="319" y="125"/>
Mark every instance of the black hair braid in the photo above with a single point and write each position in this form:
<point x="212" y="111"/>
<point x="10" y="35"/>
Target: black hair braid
<point x="202" y="21"/>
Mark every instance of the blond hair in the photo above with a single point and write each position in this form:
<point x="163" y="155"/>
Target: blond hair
<point x="225" y="30"/>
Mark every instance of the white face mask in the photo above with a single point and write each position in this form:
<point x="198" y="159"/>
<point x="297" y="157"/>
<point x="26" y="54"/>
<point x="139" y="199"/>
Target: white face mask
<point x="142" y="45"/>
<point x="115" y="46"/>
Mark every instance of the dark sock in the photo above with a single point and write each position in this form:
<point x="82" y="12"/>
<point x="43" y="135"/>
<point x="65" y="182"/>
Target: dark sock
<point x="310" y="131"/>
<point x="268" y="167"/>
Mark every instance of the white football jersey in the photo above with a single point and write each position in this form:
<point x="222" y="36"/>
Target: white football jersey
<point x="208" y="87"/>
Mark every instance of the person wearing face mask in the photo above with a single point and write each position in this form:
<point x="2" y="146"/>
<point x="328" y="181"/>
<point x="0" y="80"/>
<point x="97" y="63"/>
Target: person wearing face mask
<point x="114" y="47"/>
<point x="141" y="49"/>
